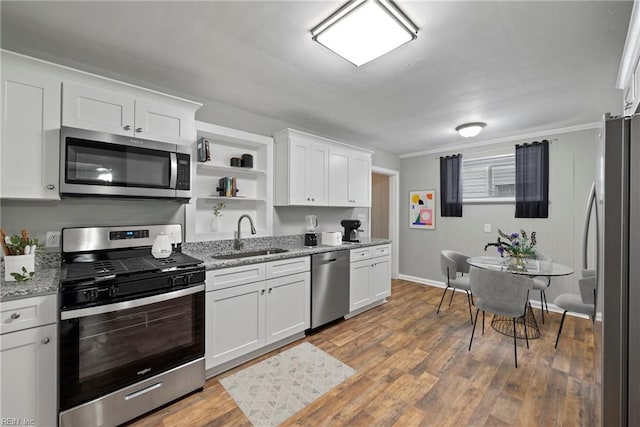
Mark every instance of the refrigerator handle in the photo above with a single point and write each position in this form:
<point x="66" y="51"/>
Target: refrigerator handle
<point x="587" y="220"/>
<point x="591" y="205"/>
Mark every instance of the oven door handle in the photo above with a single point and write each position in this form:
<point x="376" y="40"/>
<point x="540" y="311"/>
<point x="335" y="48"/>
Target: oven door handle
<point x="84" y="312"/>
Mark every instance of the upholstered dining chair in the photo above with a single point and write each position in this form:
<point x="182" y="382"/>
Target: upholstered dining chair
<point x="542" y="283"/>
<point x="454" y="266"/>
<point x="501" y="293"/>
<point x="585" y="303"/>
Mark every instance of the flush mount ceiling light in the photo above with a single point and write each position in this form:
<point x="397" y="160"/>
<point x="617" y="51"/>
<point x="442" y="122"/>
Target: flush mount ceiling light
<point x="363" y="30"/>
<point x="469" y="130"/>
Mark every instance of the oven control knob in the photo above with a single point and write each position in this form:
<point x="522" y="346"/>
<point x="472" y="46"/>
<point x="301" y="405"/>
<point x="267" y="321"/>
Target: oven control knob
<point x="91" y="294"/>
<point x="113" y="291"/>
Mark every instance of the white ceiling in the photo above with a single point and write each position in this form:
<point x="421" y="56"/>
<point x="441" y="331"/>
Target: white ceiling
<point x="521" y="66"/>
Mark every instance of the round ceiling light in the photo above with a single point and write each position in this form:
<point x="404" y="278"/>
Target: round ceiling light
<point x="469" y="130"/>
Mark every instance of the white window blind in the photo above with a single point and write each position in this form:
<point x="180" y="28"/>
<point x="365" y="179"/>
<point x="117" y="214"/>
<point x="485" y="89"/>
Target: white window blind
<point x="489" y="178"/>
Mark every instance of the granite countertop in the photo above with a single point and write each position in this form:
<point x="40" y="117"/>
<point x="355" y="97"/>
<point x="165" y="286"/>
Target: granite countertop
<point x="45" y="282"/>
<point x="47" y="278"/>
<point x="292" y="244"/>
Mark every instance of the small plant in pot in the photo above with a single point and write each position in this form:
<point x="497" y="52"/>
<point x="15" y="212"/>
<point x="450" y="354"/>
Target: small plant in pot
<point x="19" y="256"/>
<point x="217" y="215"/>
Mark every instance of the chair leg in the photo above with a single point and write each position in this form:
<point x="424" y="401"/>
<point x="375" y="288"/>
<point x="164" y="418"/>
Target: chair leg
<point x="441" y="299"/>
<point x="469" y="301"/>
<point x="482" y="322"/>
<point x="474" y="327"/>
<point x="453" y="291"/>
<point x="515" y="347"/>
<point x="546" y="304"/>
<point x="560" y="328"/>
<point x="526" y="336"/>
<point x="542" y="304"/>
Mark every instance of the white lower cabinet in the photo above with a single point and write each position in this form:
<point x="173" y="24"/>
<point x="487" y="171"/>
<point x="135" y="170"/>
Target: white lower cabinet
<point x="288" y="308"/>
<point x="369" y="276"/>
<point x="245" y="316"/>
<point x="28" y="358"/>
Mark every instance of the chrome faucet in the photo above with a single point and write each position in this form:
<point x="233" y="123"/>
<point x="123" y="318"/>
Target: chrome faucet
<point x="237" y="243"/>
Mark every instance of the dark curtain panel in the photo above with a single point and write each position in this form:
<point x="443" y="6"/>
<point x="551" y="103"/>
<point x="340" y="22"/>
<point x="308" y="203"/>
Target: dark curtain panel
<point x="532" y="180"/>
<point x="451" y="185"/>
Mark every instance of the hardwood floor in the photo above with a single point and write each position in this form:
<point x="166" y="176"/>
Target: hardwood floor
<point x="413" y="368"/>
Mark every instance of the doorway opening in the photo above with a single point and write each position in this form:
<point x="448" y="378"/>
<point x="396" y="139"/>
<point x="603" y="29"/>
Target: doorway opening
<point x="384" y="209"/>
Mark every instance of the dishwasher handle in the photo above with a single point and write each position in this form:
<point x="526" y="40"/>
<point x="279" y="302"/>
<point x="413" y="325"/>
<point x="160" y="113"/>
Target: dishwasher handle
<point x="330" y="257"/>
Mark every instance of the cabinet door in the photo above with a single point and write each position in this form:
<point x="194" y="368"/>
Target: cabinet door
<point x="300" y="151"/>
<point x="359" y="294"/>
<point x="163" y="122"/>
<point x="360" y="180"/>
<point x="234" y="322"/>
<point x="30" y="134"/>
<point x="29" y="383"/>
<point x="318" y="178"/>
<point x="338" y="177"/>
<point x="288" y="306"/>
<point x="380" y="278"/>
<point x="94" y="109"/>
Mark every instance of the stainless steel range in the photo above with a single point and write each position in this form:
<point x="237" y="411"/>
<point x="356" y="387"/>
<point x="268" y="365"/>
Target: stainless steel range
<point x="131" y="326"/>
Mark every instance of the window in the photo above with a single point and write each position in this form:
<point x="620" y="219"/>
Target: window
<point x="489" y="178"/>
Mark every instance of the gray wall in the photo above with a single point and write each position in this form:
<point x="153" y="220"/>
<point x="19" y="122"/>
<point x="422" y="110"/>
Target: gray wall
<point x="572" y="159"/>
<point x="40" y="217"/>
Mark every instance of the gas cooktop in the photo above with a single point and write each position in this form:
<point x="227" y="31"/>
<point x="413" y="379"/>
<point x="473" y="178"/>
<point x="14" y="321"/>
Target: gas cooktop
<point x="89" y="266"/>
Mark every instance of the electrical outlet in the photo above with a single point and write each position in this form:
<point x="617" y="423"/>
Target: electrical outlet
<point x="53" y="239"/>
<point x="487" y="228"/>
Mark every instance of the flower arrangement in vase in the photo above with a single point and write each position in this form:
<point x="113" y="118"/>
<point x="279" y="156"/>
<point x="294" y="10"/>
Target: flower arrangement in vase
<point x="19" y="256"/>
<point x="517" y="246"/>
<point x="217" y="215"/>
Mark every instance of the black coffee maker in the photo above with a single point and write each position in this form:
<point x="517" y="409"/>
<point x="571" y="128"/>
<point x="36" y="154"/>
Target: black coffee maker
<point x="350" y="230"/>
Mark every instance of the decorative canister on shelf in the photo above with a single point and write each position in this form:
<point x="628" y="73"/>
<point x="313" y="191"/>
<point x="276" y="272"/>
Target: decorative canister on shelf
<point x="19" y="256"/>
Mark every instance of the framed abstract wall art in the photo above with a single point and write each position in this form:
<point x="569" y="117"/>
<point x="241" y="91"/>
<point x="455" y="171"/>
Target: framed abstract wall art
<point x="422" y="209"/>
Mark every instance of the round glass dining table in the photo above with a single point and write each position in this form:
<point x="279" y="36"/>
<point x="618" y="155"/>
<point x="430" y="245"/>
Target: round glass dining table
<point x="533" y="268"/>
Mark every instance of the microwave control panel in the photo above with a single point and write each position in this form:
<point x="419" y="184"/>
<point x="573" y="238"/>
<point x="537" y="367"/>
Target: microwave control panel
<point x="184" y="172"/>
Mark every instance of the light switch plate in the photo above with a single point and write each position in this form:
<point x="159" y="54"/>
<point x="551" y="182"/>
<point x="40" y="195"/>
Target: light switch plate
<point x="487" y="228"/>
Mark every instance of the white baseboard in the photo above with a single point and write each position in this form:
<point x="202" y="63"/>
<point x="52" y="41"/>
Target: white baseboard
<point x="534" y="303"/>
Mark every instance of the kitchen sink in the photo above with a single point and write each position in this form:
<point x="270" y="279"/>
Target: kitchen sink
<point x="234" y="255"/>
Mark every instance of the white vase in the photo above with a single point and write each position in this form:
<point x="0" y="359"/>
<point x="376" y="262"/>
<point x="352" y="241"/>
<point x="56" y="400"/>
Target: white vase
<point x="14" y="264"/>
<point x="216" y="223"/>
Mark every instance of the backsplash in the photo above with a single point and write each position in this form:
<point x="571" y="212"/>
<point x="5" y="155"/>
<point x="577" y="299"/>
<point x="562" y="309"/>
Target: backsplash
<point x="222" y="246"/>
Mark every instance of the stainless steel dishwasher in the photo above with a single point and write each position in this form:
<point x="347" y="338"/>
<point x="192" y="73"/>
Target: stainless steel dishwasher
<point x="329" y="286"/>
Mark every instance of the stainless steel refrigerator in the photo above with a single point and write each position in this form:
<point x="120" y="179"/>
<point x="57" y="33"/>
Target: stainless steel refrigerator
<point x="618" y="193"/>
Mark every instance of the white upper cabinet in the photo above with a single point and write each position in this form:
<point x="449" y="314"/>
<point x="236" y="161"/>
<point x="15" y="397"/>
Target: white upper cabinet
<point x="301" y="170"/>
<point x="126" y="114"/>
<point x="314" y="171"/>
<point x="349" y="178"/>
<point x="89" y="108"/>
<point x="360" y="179"/>
<point x="30" y="132"/>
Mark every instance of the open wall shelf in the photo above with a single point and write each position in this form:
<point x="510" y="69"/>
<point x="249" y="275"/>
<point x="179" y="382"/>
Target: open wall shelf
<point x="255" y="185"/>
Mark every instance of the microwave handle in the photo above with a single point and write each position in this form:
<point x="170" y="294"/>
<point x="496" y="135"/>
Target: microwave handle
<point x="174" y="170"/>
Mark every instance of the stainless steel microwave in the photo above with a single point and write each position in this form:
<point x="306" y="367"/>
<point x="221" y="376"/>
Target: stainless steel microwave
<point x="103" y="164"/>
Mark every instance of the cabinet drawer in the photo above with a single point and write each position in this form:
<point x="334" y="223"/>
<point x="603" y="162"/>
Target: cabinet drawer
<point x="234" y="276"/>
<point x="380" y="250"/>
<point x="28" y="313"/>
<point x="289" y="266"/>
<point x="358" y="254"/>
